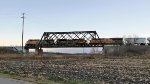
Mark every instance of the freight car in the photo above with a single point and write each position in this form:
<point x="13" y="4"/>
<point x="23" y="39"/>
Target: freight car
<point x="71" y="42"/>
<point x="135" y="41"/>
<point x="47" y="43"/>
<point x="94" y="42"/>
<point x="61" y="42"/>
<point x="106" y="41"/>
<point x="117" y="41"/>
<point x="101" y="41"/>
<point x="64" y="42"/>
<point x="79" y="42"/>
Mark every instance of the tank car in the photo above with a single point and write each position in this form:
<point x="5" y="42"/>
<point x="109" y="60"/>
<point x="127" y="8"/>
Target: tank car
<point x="135" y="41"/>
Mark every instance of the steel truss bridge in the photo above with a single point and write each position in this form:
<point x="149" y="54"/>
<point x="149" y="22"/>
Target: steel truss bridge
<point x="64" y="40"/>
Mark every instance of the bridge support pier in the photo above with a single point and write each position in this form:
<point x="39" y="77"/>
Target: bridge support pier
<point x="26" y="50"/>
<point x="38" y="51"/>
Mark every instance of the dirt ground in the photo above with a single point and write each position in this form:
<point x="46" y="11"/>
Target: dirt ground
<point x="92" y="69"/>
<point x="12" y="81"/>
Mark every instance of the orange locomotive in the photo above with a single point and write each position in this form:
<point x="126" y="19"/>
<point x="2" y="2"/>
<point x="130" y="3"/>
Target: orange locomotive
<point x="32" y="43"/>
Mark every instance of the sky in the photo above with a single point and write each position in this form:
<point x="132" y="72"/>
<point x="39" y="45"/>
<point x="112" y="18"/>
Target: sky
<point x="110" y="18"/>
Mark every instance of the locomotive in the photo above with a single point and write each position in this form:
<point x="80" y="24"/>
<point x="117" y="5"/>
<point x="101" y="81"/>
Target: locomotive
<point x="32" y="43"/>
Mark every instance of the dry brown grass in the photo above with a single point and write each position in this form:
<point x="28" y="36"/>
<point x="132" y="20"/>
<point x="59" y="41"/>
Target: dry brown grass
<point x="64" y="57"/>
<point x="109" y="69"/>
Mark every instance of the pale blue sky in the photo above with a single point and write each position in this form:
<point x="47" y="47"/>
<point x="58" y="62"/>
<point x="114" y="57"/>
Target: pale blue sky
<point x="110" y="18"/>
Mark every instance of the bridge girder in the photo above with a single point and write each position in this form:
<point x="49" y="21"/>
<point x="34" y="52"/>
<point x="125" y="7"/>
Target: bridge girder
<point x="86" y="35"/>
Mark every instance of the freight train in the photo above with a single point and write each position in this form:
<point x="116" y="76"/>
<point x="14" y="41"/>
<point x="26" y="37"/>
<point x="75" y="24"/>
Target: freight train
<point x="32" y="43"/>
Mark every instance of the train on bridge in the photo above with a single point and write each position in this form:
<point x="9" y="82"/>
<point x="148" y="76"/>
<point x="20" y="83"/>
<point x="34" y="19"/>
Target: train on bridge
<point x="33" y="43"/>
<point x="80" y="39"/>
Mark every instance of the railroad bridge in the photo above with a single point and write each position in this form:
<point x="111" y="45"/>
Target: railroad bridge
<point x="70" y="39"/>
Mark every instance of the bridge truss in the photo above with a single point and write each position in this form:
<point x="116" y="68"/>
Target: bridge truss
<point x="59" y="39"/>
<point x="70" y="39"/>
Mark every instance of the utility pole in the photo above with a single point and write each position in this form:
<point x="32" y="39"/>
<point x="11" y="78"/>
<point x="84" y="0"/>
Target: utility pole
<point x="22" y="30"/>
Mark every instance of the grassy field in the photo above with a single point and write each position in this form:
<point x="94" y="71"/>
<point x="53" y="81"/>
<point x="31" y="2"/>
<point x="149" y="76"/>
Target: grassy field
<point x="4" y="74"/>
<point x="61" y="69"/>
